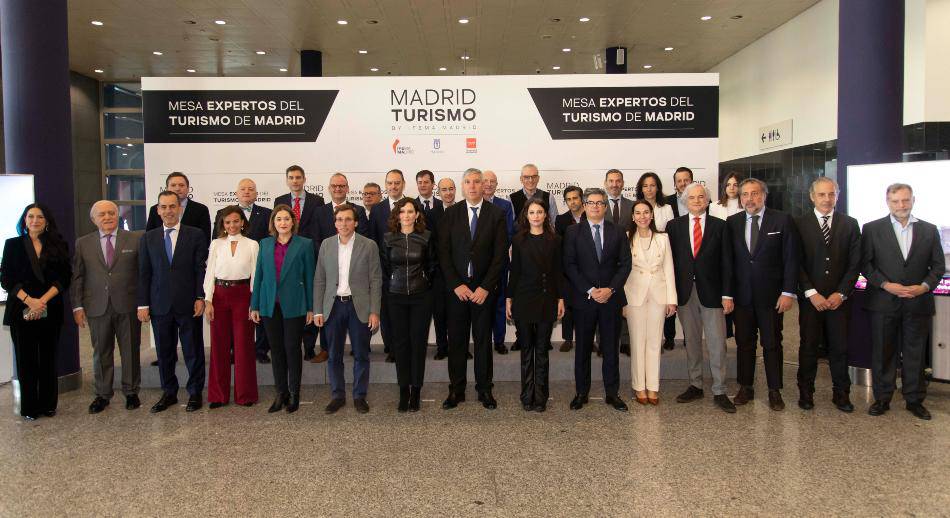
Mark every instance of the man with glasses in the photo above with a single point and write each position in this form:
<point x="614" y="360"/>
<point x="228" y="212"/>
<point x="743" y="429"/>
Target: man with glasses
<point x="372" y="195"/>
<point x="529" y="181"/>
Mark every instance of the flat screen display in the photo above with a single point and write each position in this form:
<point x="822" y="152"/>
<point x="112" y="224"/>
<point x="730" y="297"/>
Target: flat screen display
<point x="17" y="192"/>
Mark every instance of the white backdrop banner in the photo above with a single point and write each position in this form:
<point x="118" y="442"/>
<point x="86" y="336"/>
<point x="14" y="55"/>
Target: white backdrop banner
<point x="573" y="127"/>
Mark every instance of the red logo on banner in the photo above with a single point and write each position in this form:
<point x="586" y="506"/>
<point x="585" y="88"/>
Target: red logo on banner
<point x="395" y="143"/>
<point x="471" y="145"/>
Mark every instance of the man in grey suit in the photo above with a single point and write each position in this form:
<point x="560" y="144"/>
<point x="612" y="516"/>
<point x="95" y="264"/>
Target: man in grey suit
<point x="347" y="288"/>
<point x="103" y="292"/>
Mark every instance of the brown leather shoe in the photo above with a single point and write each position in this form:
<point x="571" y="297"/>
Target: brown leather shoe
<point x="320" y="357"/>
<point x="744" y="395"/>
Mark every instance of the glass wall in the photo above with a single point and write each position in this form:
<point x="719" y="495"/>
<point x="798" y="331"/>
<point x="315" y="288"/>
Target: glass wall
<point x="123" y="157"/>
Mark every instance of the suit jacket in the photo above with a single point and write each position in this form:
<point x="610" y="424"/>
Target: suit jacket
<point x="487" y="251"/>
<point x="565" y="220"/>
<point x="366" y="278"/>
<point x="195" y="215"/>
<point x="883" y="262"/>
<point x="509" y="211"/>
<point x="307" y="226"/>
<point x="829" y="268"/>
<point x="536" y="281"/>
<point x="626" y="209"/>
<point x="671" y="201"/>
<point x="326" y="223"/>
<point x="584" y="271"/>
<point x="759" y="277"/>
<point x="651" y="275"/>
<point x="433" y="215"/>
<point x="258" y="223"/>
<point x="172" y="287"/>
<point x="710" y="270"/>
<point x="295" y="286"/>
<point x="96" y="286"/>
<point x="22" y="269"/>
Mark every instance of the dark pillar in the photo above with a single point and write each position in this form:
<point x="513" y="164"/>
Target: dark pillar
<point x="616" y="62"/>
<point x="36" y="120"/>
<point x="311" y="63"/>
<point x="870" y="97"/>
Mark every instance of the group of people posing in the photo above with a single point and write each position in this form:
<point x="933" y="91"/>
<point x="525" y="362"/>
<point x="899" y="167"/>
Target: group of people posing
<point x="306" y="269"/>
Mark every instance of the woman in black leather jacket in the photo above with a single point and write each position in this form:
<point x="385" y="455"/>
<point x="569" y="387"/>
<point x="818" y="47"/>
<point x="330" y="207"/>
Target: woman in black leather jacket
<point x="408" y="258"/>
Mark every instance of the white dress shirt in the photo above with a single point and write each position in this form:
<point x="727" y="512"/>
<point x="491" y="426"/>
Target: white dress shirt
<point x="174" y="235"/>
<point x="702" y="228"/>
<point x="344" y="255"/>
<point x="222" y="265"/>
<point x="471" y="269"/>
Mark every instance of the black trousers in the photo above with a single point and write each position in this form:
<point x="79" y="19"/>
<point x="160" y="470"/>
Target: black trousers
<point x="385" y="323"/>
<point x="534" y="338"/>
<point x="899" y="338"/>
<point x="286" y="358"/>
<point x="34" y="345"/>
<point x="823" y="327"/>
<point x="753" y="323"/>
<point x="261" y="346"/>
<point x="440" y="313"/>
<point x="411" y="315"/>
<point x="588" y="321"/>
<point x="470" y="319"/>
<point x="669" y="328"/>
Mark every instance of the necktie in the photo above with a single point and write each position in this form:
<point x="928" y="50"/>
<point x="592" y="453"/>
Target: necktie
<point x="296" y="208"/>
<point x="697" y="236"/>
<point x="110" y="250"/>
<point x="598" y="246"/>
<point x="825" y="229"/>
<point x="616" y="212"/>
<point x="754" y="234"/>
<point x="427" y="205"/>
<point x="472" y="227"/>
<point x="168" y="244"/>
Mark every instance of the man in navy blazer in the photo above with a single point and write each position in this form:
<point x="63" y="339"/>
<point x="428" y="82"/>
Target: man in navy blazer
<point x="258" y="219"/>
<point x="499" y="325"/>
<point x="193" y="213"/>
<point x="171" y="272"/>
<point x="597" y="263"/>
<point x="765" y="254"/>
<point x="339" y="188"/>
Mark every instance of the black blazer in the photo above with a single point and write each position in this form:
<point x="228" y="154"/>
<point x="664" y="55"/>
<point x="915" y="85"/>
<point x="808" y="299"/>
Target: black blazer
<point x="883" y="262"/>
<point x="196" y="215"/>
<point x="536" y="278"/>
<point x="710" y="270"/>
<point x="829" y="268"/>
<point x="487" y="251"/>
<point x="21" y="269"/>
<point x="562" y="221"/>
<point x="326" y="223"/>
<point x="761" y="276"/>
<point x="519" y="198"/>
<point x="307" y="226"/>
<point x="258" y="224"/>
<point x="171" y="288"/>
<point x="585" y="272"/>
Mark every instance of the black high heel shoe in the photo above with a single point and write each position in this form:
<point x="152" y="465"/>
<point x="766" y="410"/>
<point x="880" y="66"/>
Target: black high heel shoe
<point x="293" y="403"/>
<point x="279" y="402"/>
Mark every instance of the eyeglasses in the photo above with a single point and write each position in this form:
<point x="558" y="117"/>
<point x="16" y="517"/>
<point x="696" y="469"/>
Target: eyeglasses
<point x="338" y="186"/>
<point x="595" y="203"/>
<point x="532" y="177"/>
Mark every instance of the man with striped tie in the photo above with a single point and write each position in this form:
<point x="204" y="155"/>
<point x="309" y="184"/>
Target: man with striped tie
<point x="831" y="261"/>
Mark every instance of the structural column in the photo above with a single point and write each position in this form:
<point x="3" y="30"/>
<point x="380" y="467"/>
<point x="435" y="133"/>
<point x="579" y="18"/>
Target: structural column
<point x="36" y="117"/>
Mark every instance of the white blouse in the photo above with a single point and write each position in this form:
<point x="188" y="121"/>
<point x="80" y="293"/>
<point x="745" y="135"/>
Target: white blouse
<point x="222" y="265"/>
<point x="662" y="216"/>
<point x="718" y="211"/>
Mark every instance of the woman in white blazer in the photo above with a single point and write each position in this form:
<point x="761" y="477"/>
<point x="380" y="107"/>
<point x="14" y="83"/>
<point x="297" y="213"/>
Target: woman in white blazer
<point x="650" y="188"/>
<point x="728" y="203"/>
<point x="651" y="298"/>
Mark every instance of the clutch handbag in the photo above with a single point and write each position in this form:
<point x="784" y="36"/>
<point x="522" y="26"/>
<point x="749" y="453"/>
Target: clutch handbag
<point x="26" y="313"/>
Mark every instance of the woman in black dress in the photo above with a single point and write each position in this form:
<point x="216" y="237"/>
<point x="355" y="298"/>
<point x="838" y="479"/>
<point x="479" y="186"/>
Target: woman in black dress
<point x="535" y="298"/>
<point x="35" y="273"/>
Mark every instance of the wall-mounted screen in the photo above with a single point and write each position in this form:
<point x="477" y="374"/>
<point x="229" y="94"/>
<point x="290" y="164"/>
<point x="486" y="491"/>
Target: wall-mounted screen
<point x="17" y="192"/>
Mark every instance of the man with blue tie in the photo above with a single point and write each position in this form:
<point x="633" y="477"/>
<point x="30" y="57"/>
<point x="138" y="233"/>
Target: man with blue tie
<point x="499" y="326"/>
<point x="597" y="262"/>
<point x="170" y="293"/>
<point x="433" y="209"/>
<point x="257" y="218"/>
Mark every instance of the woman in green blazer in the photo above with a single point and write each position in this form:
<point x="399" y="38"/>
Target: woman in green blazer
<point x="282" y="298"/>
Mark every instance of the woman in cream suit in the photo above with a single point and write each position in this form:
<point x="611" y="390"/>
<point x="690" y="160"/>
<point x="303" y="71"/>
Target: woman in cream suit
<point x="651" y="297"/>
<point x="650" y="188"/>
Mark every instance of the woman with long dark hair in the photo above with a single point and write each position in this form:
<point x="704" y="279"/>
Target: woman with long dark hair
<point x="408" y="259"/>
<point x="729" y="202"/>
<point x="651" y="298"/>
<point x="35" y="273"/>
<point x="535" y="298"/>
<point x="650" y="188"/>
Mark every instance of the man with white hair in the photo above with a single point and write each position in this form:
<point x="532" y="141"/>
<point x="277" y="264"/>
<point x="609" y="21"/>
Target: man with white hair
<point x="103" y="292"/>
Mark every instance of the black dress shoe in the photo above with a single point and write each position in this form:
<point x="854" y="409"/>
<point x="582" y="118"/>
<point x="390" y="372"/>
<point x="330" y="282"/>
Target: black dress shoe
<point x="690" y="394"/>
<point x="842" y="401"/>
<point x="806" y="399"/>
<point x="403" y="405"/>
<point x="293" y="403"/>
<point x="624" y="349"/>
<point x="154" y="363"/>
<point x="334" y="405"/>
<point x="669" y="344"/>
<point x="216" y="404"/>
<point x="263" y="359"/>
<point x="51" y="413"/>
<point x="879" y="408"/>
<point x="440" y="355"/>
<point x="919" y="411"/>
<point x="501" y="349"/>
<point x="616" y="403"/>
<point x="487" y="400"/>
<point x="722" y="401"/>
<point x="390" y="358"/>
<point x="28" y="418"/>
<point x="452" y="401"/>
<point x="194" y="403"/>
<point x="775" y="400"/>
<point x="166" y="401"/>
<point x="540" y="408"/>
<point x="414" y="394"/>
<point x="744" y="395"/>
<point x="279" y="402"/>
<point x="132" y="402"/>
<point x="98" y="405"/>
<point x="527" y="407"/>
<point x="309" y="355"/>
<point x="515" y="346"/>
<point x="578" y="402"/>
<point x="361" y="405"/>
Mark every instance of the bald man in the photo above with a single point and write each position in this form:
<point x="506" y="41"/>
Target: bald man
<point x="447" y="191"/>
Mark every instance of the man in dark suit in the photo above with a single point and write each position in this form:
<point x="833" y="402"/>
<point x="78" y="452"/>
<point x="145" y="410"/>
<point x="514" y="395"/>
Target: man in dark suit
<point x="472" y="251"/>
<point x="619" y="212"/>
<point x="574" y="199"/>
<point x="903" y="262"/>
<point x="304" y="205"/>
<point x="258" y="218"/>
<point x="171" y="272"/>
<point x="765" y="252"/>
<point x="500" y="326"/>
<point x="702" y="262"/>
<point x="194" y="214"/>
<point x="339" y="188"/>
<point x="831" y="261"/>
<point x="681" y="178"/>
<point x="597" y="262"/>
<point x="529" y="182"/>
<point x="433" y="209"/>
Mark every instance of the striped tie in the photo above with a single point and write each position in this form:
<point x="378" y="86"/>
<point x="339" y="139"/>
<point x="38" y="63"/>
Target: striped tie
<point x="825" y="229"/>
